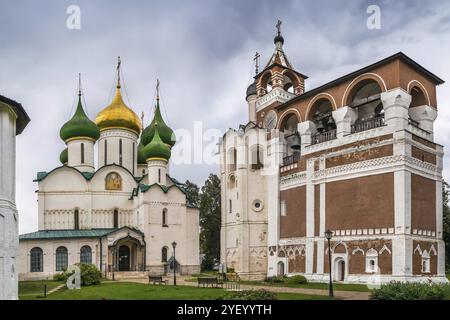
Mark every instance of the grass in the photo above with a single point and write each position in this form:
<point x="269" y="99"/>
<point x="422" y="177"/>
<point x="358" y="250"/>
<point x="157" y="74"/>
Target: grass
<point x="138" y="291"/>
<point x="313" y="285"/>
<point x="35" y="289"/>
<point x="310" y="285"/>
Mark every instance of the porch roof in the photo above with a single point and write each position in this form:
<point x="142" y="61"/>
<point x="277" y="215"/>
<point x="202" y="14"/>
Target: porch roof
<point x="65" y="234"/>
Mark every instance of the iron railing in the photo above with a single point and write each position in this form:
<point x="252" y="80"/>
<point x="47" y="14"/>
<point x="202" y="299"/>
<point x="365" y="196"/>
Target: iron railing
<point x="368" y="124"/>
<point x="295" y="157"/>
<point x="323" y="137"/>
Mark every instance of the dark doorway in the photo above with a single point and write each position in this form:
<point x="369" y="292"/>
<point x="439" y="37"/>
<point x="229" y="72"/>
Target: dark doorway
<point x="342" y="273"/>
<point x="124" y="258"/>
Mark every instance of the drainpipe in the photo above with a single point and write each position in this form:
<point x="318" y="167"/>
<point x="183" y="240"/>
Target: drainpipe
<point x="101" y="254"/>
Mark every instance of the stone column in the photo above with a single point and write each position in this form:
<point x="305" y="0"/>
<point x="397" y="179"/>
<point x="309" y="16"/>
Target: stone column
<point x="425" y="115"/>
<point x="396" y="106"/>
<point x="306" y="129"/>
<point x="344" y="117"/>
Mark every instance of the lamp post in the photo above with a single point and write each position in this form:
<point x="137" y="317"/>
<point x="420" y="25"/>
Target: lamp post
<point x="174" y="245"/>
<point x="328" y="236"/>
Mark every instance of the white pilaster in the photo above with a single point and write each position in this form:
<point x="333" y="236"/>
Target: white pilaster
<point x="344" y="117"/>
<point x="396" y="106"/>
<point x="306" y="129"/>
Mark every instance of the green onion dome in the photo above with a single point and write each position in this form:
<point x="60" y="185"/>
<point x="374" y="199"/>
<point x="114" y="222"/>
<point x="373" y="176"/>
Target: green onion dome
<point x="79" y="126"/>
<point x="64" y="156"/>
<point x="140" y="154"/>
<point x="157" y="149"/>
<point x="166" y="134"/>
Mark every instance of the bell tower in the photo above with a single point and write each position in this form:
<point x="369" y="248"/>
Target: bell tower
<point x="277" y="83"/>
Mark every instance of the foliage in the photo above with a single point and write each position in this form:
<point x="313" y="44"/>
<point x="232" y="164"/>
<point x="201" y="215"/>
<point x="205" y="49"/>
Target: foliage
<point x="192" y="193"/>
<point x="446" y="222"/>
<point x="90" y="275"/>
<point x="410" y="291"/>
<point x="210" y="212"/>
<point x="60" y="277"/>
<point x="276" y="279"/>
<point x="298" y="279"/>
<point x="260" y="294"/>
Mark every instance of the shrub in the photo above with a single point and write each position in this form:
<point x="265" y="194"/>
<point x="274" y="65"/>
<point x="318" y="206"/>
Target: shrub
<point x="60" y="277"/>
<point x="410" y="291"/>
<point x="89" y="273"/>
<point x="260" y="294"/>
<point x="299" y="279"/>
<point x="275" y="279"/>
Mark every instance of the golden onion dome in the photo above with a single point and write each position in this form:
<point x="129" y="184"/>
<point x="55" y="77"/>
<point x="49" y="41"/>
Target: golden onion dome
<point x="118" y="115"/>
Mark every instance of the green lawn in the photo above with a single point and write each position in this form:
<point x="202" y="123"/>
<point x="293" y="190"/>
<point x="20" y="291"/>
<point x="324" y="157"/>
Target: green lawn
<point x="33" y="289"/>
<point x="313" y="285"/>
<point x="137" y="291"/>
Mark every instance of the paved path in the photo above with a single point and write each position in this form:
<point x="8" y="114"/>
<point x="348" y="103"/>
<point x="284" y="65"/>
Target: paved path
<point x="344" y="295"/>
<point x="56" y="289"/>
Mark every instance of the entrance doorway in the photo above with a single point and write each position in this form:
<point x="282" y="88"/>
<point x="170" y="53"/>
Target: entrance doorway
<point x="124" y="258"/>
<point x="339" y="269"/>
<point x="280" y="268"/>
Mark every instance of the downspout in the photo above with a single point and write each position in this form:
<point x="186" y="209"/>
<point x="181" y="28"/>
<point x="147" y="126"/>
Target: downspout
<point x="101" y="254"/>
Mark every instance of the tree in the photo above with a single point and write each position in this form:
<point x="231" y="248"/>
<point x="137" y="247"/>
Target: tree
<point x="192" y="193"/>
<point x="446" y="222"/>
<point x="210" y="215"/>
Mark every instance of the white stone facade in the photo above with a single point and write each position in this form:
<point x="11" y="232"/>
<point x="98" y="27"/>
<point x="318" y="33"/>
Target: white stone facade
<point x="11" y="115"/>
<point x="407" y="129"/>
<point x="112" y="198"/>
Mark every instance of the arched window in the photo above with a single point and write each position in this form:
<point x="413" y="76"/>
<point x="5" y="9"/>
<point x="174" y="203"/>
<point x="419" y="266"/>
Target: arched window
<point x="106" y="152"/>
<point x="76" y="219"/>
<point x="425" y="262"/>
<point x="164" y="254"/>
<point x="61" y="259"/>
<point x="418" y="97"/>
<point x="82" y="152"/>
<point x="289" y="127"/>
<point x="164" y="218"/>
<point x="231" y="206"/>
<point x="134" y="155"/>
<point x="371" y="261"/>
<point x="120" y="151"/>
<point x="232" y="159"/>
<point x="116" y="218"/>
<point x="257" y="157"/>
<point x="321" y="115"/>
<point x="36" y="260"/>
<point x="365" y="98"/>
<point x="86" y="255"/>
<point x="159" y="175"/>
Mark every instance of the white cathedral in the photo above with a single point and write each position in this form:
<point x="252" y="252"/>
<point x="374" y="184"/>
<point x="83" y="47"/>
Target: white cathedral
<point x="127" y="215"/>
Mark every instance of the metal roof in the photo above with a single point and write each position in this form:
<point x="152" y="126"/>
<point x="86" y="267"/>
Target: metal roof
<point x="65" y="234"/>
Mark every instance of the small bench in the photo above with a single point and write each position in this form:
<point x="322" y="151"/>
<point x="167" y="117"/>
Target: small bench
<point x="156" y="280"/>
<point x="206" y="281"/>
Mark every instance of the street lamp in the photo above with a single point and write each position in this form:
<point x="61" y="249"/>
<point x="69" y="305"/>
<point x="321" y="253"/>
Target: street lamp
<point x="174" y="245"/>
<point x="328" y="236"/>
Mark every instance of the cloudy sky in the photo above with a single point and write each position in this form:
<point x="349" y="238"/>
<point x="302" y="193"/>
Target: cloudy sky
<point x="202" y="53"/>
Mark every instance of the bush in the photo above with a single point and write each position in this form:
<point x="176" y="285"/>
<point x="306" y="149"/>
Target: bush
<point x="90" y="275"/>
<point x="410" y="291"/>
<point x="296" y="280"/>
<point x="275" y="279"/>
<point x="260" y="294"/>
<point x="60" y="277"/>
